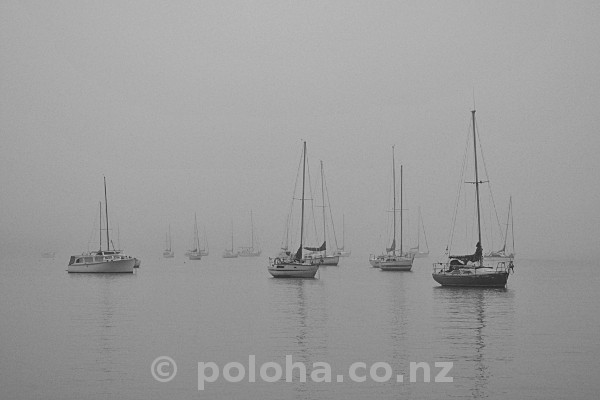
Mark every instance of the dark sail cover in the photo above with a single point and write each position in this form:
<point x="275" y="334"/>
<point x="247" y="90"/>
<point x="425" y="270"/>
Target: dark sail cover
<point x="391" y="248"/>
<point x="471" y="257"/>
<point x="322" y="248"/>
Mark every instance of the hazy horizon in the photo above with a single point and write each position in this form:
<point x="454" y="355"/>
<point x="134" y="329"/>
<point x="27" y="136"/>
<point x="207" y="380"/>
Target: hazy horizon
<point x="201" y="107"/>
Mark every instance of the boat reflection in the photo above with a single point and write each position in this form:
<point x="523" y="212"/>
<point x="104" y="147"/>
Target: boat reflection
<point x="475" y="326"/>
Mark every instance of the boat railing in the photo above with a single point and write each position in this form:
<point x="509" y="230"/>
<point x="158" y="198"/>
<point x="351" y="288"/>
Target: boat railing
<point x="444" y="267"/>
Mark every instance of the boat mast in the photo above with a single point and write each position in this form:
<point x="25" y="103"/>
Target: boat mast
<point x="302" y="202"/>
<point x="106" y="212"/>
<point x="343" y="231"/>
<point x="197" y="239"/>
<point x="476" y="183"/>
<point x="394" y="190"/>
<point x="419" y="231"/>
<point x="232" y="236"/>
<point x="323" y="202"/>
<point x="401" y="210"/>
<point x="251" y="231"/>
<point x="100" y="221"/>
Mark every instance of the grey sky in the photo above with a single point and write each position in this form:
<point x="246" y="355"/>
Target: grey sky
<point x="201" y="106"/>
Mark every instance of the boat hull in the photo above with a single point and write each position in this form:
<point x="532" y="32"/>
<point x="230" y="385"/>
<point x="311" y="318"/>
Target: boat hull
<point x="249" y="254"/>
<point x="396" y="265"/>
<point x="106" y="267"/>
<point x="327" y="260"/>
<point x="195" y="257"/>
<point x="496" y="279"/>
<point x="293" y="270"/>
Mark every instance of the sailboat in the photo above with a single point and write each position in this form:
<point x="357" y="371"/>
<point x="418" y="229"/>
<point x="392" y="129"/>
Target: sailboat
<point x="103" y="261"/>
<point x="204" y="249"/>
<point x="505" y="254"/>
<point x="341" y="251"/>
<point x="474" y="269"/>
<point x="320" y="253"/>
<point x="393" y="259"/>
<point x="230" y="253"/>
<point x="295" y="265"/>
<point x="253" y="250"/>
<point x="168" y="253"/>
<point x="195" y="254"/>
<point x="417" y="249"/>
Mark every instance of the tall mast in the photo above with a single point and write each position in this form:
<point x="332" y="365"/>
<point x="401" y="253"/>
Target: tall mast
<point x="170" y="242"/>
<point x="476" y="181"/>
<point x="394" y="190"/>
<point x="197" y="239"/>
<point x="401" y="209"/>
<point x="232" y="235"/>
<point x="100" y="221"/>
<point x="419" y="231"/>
<point x="106" y="212"/>
<point x="303" y="182"/>
<point x="343" y="231"/>
<point x="251" y="231"/>
<point x="323" y="202"/>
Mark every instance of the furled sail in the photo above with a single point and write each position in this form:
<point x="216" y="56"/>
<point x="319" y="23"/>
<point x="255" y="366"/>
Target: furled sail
<point x="392" y="248"/>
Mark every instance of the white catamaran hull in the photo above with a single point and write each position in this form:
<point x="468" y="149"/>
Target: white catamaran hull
<point x="114" y="266"/>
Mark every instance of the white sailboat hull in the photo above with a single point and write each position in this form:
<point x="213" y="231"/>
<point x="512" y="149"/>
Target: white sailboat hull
<point x="111" y="266"/>
<point x="396" y="263"/>
<point x="195" y="256"/>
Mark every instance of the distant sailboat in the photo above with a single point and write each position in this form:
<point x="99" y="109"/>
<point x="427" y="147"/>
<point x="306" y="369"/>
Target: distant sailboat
<point x="204" y="248"/>
<point x="195" y="254"/>
<point x="393" y="259"/>
<point x="230" y="253"/>
<point x="474" y="269"/>
<point x="505" y="254"/>
<point x="320" y="253"/>
<point x="103" y="261"/>
<point x="168" y="253"/>
<point x="254" y="249"/>
<point x="417" y="249"/>
<point x="295" y="265"/>
<point x="341" y="251"/>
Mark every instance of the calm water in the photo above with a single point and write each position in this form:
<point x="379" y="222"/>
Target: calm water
<point x="69" y="336"/>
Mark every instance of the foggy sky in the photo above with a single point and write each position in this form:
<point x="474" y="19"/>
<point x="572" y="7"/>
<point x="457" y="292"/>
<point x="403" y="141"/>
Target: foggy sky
<point x="201" y="106"/>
